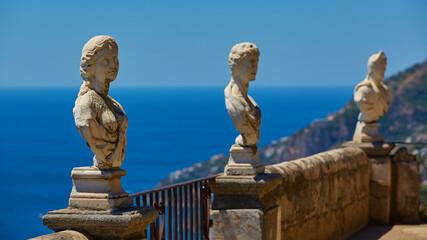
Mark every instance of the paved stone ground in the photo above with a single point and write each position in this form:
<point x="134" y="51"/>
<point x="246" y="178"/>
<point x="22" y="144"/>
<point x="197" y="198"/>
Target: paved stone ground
<point x="396" y="232"/>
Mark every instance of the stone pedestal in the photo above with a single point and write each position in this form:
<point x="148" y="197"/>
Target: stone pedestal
<point x="380" y="179"/>
<point x="406" y="187"/>
<point x="367" y="132"/>
<point x="99" y="207"/>
<point x="243" y="161"/>
<point x="244" y="207"/>
<point x="117" y="224"/>
<point x="97" y="189"/>
<point x="380" y="189"/>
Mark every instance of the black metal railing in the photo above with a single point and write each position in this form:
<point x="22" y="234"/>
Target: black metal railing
<point x="183" y="210"/>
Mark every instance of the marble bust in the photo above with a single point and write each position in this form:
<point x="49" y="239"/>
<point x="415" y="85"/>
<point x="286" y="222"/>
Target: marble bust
<point x="243" y="110"/>
<point x="99" y="118"/>
<point x="373" y="98"/>
<point x="98" y="205"/>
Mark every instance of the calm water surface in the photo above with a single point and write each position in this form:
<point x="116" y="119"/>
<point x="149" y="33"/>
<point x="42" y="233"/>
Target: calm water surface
<point x="169" y="129"/>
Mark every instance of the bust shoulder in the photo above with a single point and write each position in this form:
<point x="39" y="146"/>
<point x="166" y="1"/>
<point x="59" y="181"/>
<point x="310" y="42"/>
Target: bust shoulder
<point x="365" y="85"/>
<point x="227" y="90"/>
<point x="90" y="99"/>
<point x="85" y="106"/>
<point x="363" y="92"/>
<point x="364" y="89"/>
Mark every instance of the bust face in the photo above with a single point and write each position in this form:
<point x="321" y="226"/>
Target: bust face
<point x="107" y="64"/>
<point x="249" y="68"/>
<point x="379" y="70"/>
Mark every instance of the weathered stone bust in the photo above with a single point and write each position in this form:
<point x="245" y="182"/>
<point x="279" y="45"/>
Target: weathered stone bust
<point x="98" y="205"/>
<point x="373" y="99"/>
<point x="243" y="110"/>
<point x="99" y="118"/>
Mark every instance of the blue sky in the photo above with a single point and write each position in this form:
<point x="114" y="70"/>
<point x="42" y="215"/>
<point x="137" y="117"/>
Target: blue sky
<point x="186" y="43"/>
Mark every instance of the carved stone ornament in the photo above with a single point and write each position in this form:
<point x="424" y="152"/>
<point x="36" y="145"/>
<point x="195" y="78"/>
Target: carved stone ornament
<point x="243" y="110"/>
<point x="98" y="206"/>
<point x="373" y="98"/>
<point x="102" y="122"/>
<point x="99" y="118"/>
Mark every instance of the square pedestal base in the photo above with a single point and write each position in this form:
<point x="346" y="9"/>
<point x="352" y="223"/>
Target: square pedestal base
<point x="245" y="207"/>
<point x="243" y="161"/>
<point x="119" y="224"/>
<point x="367" y="132"/>
<point x="98" y="189"/>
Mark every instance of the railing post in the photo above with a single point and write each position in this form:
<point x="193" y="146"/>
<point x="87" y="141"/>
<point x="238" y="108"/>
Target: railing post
<point x="178" y="206"/>
<point x="388" y="174"/>
<point x="185" y="212"/>
<point x="405" y="197"/>
<point x="191" y="212"/>
<point x="244" y="207"/>
<point x="169" y="214"/>
<point x="380" y="182"/>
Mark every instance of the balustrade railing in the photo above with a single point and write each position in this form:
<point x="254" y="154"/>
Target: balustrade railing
<point x="183" y="210"/>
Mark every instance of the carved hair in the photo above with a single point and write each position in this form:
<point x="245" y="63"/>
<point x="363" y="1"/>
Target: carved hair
<point x="89" y="57"/>
<point x="240" y="52"/>
<point x="378" y="58"/>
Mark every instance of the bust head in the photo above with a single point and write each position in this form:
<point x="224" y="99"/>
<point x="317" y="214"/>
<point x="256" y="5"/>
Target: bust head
<point x="98" y="48"/>
<point x="243" y="61"/>
<point x="376" y="66"/>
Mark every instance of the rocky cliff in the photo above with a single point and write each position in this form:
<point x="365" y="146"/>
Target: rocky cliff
<point x="406" y="121"/>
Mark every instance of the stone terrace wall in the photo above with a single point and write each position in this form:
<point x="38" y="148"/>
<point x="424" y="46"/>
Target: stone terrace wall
<point x="324" y="196"/>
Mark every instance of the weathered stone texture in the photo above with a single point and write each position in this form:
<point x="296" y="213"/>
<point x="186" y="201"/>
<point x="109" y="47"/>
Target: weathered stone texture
<point x="405" y="196"/>
<point x="380" y="189"/>
<point x="63" y="235"/>
<point x="248" y="224"/>
<point x="108" y="225"/>
<point x="324" y="196"/>
<point x="243" y="110"/>
<point x="245" y="207"/>
<point x="373" y="98"/>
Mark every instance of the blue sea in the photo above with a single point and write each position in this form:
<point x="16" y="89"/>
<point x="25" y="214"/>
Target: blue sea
<point x="169" y="129"/>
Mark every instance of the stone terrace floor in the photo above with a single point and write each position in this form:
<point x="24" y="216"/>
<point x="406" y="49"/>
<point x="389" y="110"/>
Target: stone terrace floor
<point x="396" y="232"/>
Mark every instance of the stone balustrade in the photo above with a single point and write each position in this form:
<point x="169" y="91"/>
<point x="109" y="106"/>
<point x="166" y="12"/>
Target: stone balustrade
<point x="330" y="195"/>
<point x="324" y="196"/>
